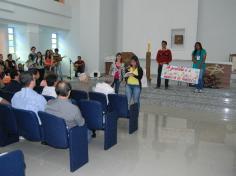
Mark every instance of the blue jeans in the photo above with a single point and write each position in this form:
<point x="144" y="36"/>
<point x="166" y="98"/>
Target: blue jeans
<point x="200" y="84"/>
<point x="133" y="92"/>
<point x="116" y="84"/>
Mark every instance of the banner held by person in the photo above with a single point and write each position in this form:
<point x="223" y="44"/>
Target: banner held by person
<point x="180" y="73"/>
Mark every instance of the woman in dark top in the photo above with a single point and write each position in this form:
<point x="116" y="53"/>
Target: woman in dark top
<point x="133" y="77"/>
<point x="10" y="64"/>
<point x="40" y="66"/>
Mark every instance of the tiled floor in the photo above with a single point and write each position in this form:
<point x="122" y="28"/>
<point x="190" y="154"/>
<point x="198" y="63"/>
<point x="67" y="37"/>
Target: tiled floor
<point x="180" y="134"/>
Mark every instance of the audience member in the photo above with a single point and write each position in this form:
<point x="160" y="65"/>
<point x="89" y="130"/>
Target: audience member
<point x="14" y="86"/>
<point x="10" y="64"/>
<point x="3" y="101"/>
<point x="27" y="98"/>
<point x="2" y="75"/>
<point x="63" y="108"/>
<point x="49" y="90"/>
<point x="36" y="75"/>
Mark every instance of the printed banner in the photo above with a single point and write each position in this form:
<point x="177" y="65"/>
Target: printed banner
<point x="183" y="74"/>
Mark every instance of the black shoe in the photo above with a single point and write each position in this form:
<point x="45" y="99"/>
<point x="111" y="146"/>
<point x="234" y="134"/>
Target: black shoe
<point x="157" y="87"/>
<point x="94" y="134"/>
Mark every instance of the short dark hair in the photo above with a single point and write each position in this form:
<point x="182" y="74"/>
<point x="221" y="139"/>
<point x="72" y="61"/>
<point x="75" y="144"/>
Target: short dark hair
<point x="13" y="74"/>
<point x="26" y="78"/>
<point x="63" y="88"/>
<point x="51" y="79"/>
<point x="9" y="55"/>
<point x="33" y="47"/>
<point x="34" y="71"/>
<point x="79" y="57"/>
<point x="56" y="49"/>
<point x="165" y="42"/>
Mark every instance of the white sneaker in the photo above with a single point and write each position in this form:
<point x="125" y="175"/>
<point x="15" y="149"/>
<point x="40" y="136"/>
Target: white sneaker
<point x="200" y="91"/>
<point x="196" y="91"/>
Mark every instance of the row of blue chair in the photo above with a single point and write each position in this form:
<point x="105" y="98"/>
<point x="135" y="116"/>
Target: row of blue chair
<point x="53" y="131"/>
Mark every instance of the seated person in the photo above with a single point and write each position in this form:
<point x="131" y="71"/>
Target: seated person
<point x="14" y="86"/>
<point x="27" y="98"/>
<point x="63" y="108"/>
<point x="36" y="75"/>
<point x="49" y="90"/>
<point x="3" y="101"/>
<point x="79" y="66"/>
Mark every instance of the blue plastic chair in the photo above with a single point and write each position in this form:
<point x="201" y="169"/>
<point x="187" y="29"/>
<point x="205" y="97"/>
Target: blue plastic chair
<point x="28" y="125"/>
<point x="12" y="164"/>
<point x="8" y="126"/>
<point x="94" y="118"/>
<point x="48" y="98"/>
<point x="119" y="104"/>
<point x="78" y="95"/>
<point x="57" y="135"/>
<point x="100" y="97"/>
<point x="6" y="95"/>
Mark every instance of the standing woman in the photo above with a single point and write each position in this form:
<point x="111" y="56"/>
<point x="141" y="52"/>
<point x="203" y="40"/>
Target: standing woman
<point x="134" y="76"/>
<point x="49" y="60"/>
<point x="118" y="72"/>
<point x="40" y="66"/>
<point x="199" y="58"/>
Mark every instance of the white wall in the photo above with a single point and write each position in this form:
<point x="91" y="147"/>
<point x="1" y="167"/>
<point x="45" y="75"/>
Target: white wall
<point x="217" y="28"/>
<point x="108" y="30"/>
<point x="42" y="12"/>
<point x="152" y="20"/>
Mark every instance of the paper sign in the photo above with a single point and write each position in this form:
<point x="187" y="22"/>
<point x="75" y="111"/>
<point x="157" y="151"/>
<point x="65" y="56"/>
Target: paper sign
<point x="179" y="73"/>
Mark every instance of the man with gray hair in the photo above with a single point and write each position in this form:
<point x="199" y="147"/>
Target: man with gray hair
<point x="63" y="108"/>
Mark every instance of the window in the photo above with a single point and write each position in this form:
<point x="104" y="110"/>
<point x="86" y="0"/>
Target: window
<point x="54" y="40"/>
<point x="11" y="40"/>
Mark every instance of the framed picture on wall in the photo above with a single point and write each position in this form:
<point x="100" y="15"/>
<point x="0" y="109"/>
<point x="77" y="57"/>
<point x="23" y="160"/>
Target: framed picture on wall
<point x="177" y="38"/>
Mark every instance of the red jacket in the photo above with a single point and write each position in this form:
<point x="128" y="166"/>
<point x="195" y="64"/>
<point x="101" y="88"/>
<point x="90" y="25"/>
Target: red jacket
<point x="164" y="56"/>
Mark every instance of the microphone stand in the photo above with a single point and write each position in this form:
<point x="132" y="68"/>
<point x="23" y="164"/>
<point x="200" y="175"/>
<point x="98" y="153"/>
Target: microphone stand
<point x="70" y="77"/>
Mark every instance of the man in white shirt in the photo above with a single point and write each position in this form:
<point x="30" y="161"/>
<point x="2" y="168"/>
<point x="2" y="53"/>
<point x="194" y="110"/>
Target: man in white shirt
<point x="27" y="98"/>
<point x="49" y="90"/>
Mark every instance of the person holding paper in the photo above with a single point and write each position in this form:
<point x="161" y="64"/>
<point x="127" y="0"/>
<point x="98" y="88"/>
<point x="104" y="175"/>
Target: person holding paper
<point x="133" y="79"/>
<point x="164" y="56"/>
<point x="199" y="58"/>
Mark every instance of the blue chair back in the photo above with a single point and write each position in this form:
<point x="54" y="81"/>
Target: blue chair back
<point x="28" y="124"/>
<point x="8" y="126"/>
<point x="54" y="130"/>
<point x="6" y="95"/>
<point x="12" y="164"/>
<point x="119" y="104"/>
<point x="48" y="97"/>
<point x="78" y="95"/>
<point x="100" y="97"/>
<point x="92" y="113"/>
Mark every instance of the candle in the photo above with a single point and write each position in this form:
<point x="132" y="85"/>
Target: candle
<point x="149" y="47"/>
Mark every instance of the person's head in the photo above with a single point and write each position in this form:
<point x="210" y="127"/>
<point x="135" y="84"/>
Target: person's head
<point x="118" y="57"/>
<point x="56" y="50"/>
<point x="27" y="79"/>
<point x="79" y="58"/>
<point x="134" y="62"/>
<point x="1" y="56"/>
<point x="9" y="56"/>
<point x="51" y="79"/>
<point x="35" y="73"/>
<point x="15" y="75"/>
<point x="33" y="49"/>
<point x="63" y="89"/>
<point x="39" y="55"/>
<point x="197" y="46"/>
<point x="47" y="53"/>
<point x="164" y="44"/>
